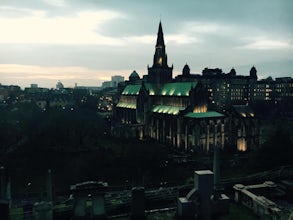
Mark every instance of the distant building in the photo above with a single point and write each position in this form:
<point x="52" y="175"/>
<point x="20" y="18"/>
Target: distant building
<point x="106" y="84"/>
<point x="224" y="89"/>
<point x="283" y="89"/>
<point x="35" y="90"/>
<point x="34" y="85"/>
<point x="115" y="80"/>
<point x="227" y="89"/>
<point x="59" y="85"/>
<point x="88" y="89"/>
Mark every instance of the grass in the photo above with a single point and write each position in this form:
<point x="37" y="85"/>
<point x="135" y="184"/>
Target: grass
<point x="162" y="216"/>
<point x="239" y="213"/>
<point x="16" y="213"/>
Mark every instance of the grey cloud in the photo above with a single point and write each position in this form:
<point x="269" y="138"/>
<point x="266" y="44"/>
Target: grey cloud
<point x="272" y="19"/>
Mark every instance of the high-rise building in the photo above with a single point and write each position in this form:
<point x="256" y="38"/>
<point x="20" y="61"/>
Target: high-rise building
<point x="115" y="80"/>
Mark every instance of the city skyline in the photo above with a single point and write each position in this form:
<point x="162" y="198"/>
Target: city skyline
<point x="87" y="42"/>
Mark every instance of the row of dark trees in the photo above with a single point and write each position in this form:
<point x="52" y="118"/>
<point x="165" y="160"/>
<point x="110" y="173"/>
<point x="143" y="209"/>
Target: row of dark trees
<point x="72" y="143"/>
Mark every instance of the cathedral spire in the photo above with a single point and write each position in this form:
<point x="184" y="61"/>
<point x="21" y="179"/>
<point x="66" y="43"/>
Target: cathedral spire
<point x="160" y="72"/>
<point x="160" y="57"/>
<point x="160" y="37"/>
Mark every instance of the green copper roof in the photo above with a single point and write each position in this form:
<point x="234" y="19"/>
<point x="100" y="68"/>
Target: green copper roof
<point x="210" y="114"/>
<point x="165" y="109"/>
<point x="134" y="74"/>
<point x="150" y="87"/>
<point x="168" y="89"/>
<point x="177" y="89"/>
<point x="131" y="90"/>
<point x="126" y="105"/>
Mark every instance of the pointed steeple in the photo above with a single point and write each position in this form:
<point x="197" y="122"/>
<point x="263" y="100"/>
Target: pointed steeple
<point x="160" y="57"/>
<point x="253" y="73"/>
<point x="160" y="72"/>
<point x="160" y="37"/>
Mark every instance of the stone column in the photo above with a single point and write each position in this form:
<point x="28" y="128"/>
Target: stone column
<point x="152" y="129"/>
<point x="173" y="136"/>
<point x="170" y="133"/>
<point x="127" y="116"/>
<point x="215" y="133"/>
<point x="138" y="203"/>
<point x="157" y="129"/>
<point x="186" y="137"/>
<point x="49" y="186"/>
<point x="178" y="132"/>
<point x="216" y="168"/>
<point x="208" y="138"/>
<point x="164" y="132"/>
<point x="194" y="136"/>
<point x="197" y="135"/>
<point x="124" y="116"/>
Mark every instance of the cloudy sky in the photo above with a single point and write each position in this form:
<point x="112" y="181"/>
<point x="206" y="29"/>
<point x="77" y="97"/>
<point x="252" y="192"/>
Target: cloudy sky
<point x="88" y="41"/>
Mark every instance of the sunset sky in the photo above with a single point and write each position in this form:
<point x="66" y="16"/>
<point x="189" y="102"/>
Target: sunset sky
<point x="88" y="41"/>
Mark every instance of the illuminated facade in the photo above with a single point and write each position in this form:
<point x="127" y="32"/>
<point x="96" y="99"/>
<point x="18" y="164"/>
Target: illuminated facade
<point x="243" y="127"/>
<point x="177" y="111"/>
<point x="173" y="113"/>
<point x="224" y="90"/>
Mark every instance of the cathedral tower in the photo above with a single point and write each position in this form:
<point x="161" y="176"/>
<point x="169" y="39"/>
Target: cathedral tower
<point x="160" y="72"/>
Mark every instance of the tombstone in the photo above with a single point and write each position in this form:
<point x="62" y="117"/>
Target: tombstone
<point x="91" y="191"/>
<point x="185" y="208"/>
<point x="98" y="205"/>
<point x="138" y="203"/>
<point x="203" y="184"/>
<point x="43" y="211"/>
<point x="49" y="187"/>
<point x="80" y="207"/>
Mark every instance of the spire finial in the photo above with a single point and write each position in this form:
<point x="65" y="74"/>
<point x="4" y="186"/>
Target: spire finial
<point x="160" y="37"/>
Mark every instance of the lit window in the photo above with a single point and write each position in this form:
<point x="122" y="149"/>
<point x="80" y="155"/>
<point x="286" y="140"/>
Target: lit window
<point x="160" y="60"/>
<point x="241" y="144"/>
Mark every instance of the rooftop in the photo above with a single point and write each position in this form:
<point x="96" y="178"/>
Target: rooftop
<point x="165" y="109"/>
<point x="168" y="89"/>
<point x="209" y="114"/>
